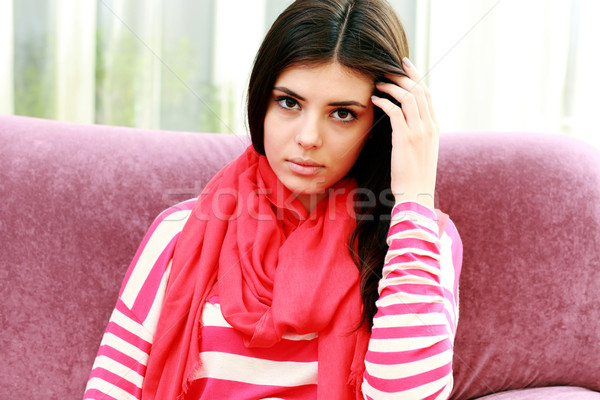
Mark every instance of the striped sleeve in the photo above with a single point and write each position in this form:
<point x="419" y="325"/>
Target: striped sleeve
<point x="120" y="365"/>
<point x="411" y="347"/>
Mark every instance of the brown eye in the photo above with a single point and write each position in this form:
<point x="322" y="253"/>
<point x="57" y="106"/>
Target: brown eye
<point x="287" y="103"/>
<point x="344" y="115"/>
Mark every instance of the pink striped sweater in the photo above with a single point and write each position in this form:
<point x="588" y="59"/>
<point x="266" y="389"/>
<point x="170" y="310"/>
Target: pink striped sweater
<point x="410" y="349"/>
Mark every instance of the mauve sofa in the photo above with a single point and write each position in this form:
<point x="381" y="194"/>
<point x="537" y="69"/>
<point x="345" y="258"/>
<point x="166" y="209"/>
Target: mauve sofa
<point x="76" y="200"/>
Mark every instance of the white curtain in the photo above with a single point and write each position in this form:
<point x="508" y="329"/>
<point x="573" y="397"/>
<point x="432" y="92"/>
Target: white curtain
<point x="129" y="43"/>
<point x="6" y="57"/>
<point x="75" y="60"/>
<point x="512" y="65"/>
<point x="491" y="64"/>
<point x="146" y="63"/>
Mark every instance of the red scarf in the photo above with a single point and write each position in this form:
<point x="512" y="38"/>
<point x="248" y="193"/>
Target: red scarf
<point x="275" y="267"/>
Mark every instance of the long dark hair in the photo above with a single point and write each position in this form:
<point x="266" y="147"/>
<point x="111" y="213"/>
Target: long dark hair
<point x="363" y="35"/>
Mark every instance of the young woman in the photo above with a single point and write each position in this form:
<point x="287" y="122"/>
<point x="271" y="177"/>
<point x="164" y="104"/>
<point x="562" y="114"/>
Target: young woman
<point x="314" y="265"/>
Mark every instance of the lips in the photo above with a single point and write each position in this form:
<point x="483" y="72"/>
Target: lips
<point x="303" y="166"/>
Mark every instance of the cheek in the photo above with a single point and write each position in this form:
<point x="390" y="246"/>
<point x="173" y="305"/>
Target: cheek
<point x="269" y="129"/>
<point x="352" y="147"/>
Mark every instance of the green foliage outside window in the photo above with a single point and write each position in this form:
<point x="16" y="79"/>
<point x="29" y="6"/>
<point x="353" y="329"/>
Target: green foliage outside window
<point x="182" y="99"/>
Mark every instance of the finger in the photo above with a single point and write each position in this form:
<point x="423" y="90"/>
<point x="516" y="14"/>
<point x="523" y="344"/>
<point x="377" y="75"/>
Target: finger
<point x="395" y="113"/>
<point x="431" y="108"/>
<point x="409" y="108"/>
<point x="414" y="75"/>
<point x="410" y="70"/>
<point x="420" y="97"/>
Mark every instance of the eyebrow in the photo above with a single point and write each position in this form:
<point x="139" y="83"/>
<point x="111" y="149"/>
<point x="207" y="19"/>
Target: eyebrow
<point x="335" y="104"/>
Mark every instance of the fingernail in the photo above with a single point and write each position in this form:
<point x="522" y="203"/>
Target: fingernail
<point x="374" y="98"/>
<point x="407" y="62"/>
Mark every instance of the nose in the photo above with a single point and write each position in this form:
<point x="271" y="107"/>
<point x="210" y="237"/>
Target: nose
<point x="309" y="135"/>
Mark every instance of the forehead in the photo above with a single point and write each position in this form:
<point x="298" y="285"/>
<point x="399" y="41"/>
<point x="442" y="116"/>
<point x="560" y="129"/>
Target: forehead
<point x="331" y="79"/>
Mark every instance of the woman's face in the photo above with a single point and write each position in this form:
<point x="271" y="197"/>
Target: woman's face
<point x="315" y="127"/>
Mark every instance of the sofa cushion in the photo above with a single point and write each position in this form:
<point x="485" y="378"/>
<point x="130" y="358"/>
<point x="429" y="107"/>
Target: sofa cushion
<point x="527" y="207"/>
<point x="547" y="393"/>
<point x="76" y="201"/>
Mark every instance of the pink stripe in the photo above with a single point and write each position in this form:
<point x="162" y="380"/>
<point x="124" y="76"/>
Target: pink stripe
<point x="228" y="340"/>
<point x="432" y="397"/>
<point x="449" y="295"/>
<point x="415" y="243"/>
<point x="129" y="337"/>
<point x="457" y="254"/>
<point x="436" y="394"/>
<point x="451" y="325"/>
<point x="415" y="207"/>
<point x="116" y="381"/>
<point x="147" y="294"/>
<point x="410" y="382"/>
<point x="411" y="308"/>
<point x="408" y="332"/>
<point x="399" y="357"/>
<point x="123" y="309"/>
<point x="122" y="358"/>
<point x="97" y="395"/>
<point x="411" y="258"/>
<point x="407" y="225"/>
<point x="186" y="205"/>
<point x="421" y="331"/>
<point x="223" y="389"/>
<point x="412" y="288"/>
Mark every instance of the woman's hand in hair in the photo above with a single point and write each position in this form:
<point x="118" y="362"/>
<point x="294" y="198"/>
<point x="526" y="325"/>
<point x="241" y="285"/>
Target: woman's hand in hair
<point x="415" y="136"/>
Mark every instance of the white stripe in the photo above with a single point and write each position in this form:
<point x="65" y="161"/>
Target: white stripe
<point x="125" y="373"/>
<point x="448" y="276"/>
<point x="446" y="266"/>
<point x="415" y="218"/>
<point x="212" y="316"/>
<point x="447" y="389"/>
<point x="404" y="370"/>
<point x="411" y="265"/>
<point x="399" y="281"/>
<point x="109" y="389"/>
<point x="162" y="235"/>
<point x="420" y="392"/>
<point x="151" y="321"/>
<point x="449" y="306"/>
<point x="124" y="347"/>
<point x="394" y="321"/>
<point x="457" y="310"/>
<point x="393" y="299"/>
<point x="412" y="279"/>
<point x="419" y="234"/>
<point x="256" y="371"/>
<point x="402" y="344"/>
<point x="130" y="325"/>
<point x="409" y="250"/>
<point x="298" y="337"/>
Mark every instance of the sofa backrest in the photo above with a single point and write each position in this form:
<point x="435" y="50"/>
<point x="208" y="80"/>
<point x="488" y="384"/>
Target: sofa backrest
<point x="527" y="207"/>
<point x="77" y="199"/>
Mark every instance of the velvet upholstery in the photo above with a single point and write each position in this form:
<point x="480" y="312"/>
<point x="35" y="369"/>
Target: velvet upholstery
<point x="545" y="393"/>
<point x="527" y="207"/>
<point x="76" y="200"/>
